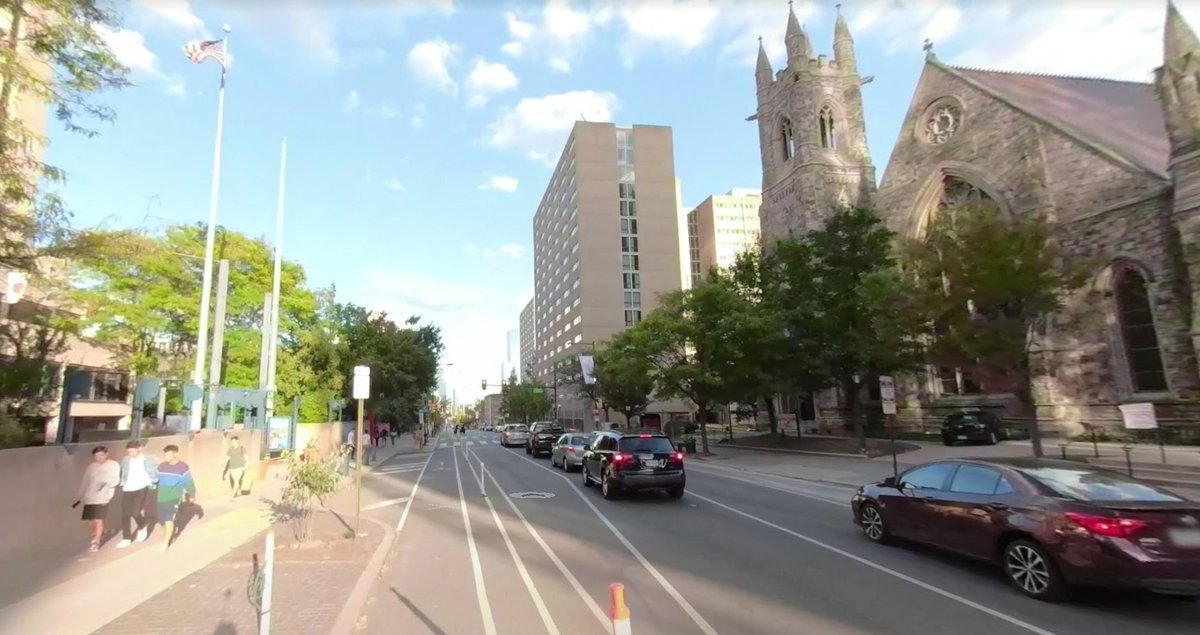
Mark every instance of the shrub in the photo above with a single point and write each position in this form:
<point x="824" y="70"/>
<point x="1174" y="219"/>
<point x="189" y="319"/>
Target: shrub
<point x="309" y="480"/>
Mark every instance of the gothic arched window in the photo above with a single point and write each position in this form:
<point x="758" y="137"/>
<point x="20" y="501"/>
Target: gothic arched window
<point x="827" y="127"/>
<point x="1138" y="335"/>
<point x="959" y="193"/>
<point x="787" y="139"/>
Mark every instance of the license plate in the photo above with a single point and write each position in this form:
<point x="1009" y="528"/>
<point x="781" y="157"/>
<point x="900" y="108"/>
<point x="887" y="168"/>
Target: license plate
<point x="962" y="437"/>
<point x="1185" y="537"/>
<point x="653" y="463"/>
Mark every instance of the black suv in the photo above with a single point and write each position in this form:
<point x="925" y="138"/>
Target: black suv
<point x="626" y="461"/>
<point x="542" y="435"/>
<point x="972" y="426"/>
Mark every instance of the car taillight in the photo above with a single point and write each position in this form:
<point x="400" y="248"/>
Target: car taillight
<point x="619" y="458"/>
<point x="1105" y="526"/>
<point x="679" y="456"/>
<point x="570" y="449"/>
<point x="643" y="436"/>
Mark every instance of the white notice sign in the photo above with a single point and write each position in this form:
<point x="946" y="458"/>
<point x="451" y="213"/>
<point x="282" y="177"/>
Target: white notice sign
<point x="361" y="388"/>
<point x="887" y="394"/>
<point x="1139" y="416"/>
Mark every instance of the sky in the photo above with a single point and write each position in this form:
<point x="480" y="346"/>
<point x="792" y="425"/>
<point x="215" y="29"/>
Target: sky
<point x="422" y="133"/>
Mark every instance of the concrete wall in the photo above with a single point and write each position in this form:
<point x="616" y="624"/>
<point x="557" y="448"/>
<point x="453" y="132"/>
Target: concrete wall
<point x="42" y="482"/>
<point x="326" y="437"/>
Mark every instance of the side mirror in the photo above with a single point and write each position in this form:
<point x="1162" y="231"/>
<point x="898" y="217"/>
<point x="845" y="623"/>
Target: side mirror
<point x="889" y="481"/>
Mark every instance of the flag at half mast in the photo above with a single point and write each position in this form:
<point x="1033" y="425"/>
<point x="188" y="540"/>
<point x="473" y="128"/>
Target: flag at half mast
<point x="210" y="49"/>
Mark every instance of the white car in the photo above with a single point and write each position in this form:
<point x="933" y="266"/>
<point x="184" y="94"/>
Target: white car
<point x="514" y="434"/>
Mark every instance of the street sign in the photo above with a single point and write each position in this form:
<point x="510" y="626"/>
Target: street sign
<point x="362" y="383"/>
<point x="887" y="394"/>
<point x="16" y="287"/>
<point x="538" y="391"/>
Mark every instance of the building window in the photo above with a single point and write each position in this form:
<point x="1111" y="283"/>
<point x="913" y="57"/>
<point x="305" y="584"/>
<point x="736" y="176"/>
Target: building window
<point x="626" y="191"/>
<point x="632" y="280"/>
<point x="632" y="316"/>
<point x="827" y="128"/>
<point x="1138" y="334"/>
<point x="787" y="139"/>
<point x="628" y="226"/>
<point x="629" y="262"/>
<point x="628" y="209"/>
<point x="629" y="244"/>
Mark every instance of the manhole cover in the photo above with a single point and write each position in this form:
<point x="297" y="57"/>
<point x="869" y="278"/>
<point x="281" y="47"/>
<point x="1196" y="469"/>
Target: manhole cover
<point x="532" y="495"/>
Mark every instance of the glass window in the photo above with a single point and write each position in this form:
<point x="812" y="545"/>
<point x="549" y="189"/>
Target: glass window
<point x="1098" y="485"/>
<point x="972" y="479"/>
<point x="629" y="244"/>
<point x="638" y="445"/>
<point x="927" y="477"/>
<point x="1138" y="333"/>
<point x="1003" y="487"/>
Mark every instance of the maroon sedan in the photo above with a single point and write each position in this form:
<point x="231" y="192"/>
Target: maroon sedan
<point x="1049" y="524"/>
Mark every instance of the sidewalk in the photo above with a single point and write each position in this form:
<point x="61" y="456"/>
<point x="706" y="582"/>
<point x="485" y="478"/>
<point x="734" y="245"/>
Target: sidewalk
<point x="144" y="590"/>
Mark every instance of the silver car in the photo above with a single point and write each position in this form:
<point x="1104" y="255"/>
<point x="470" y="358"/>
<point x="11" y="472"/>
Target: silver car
<point x="514" y="434"/>
<point x="568" y="450"/>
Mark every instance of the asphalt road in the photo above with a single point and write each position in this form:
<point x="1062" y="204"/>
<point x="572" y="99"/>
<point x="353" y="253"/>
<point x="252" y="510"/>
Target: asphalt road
<point x="740" y="554"/>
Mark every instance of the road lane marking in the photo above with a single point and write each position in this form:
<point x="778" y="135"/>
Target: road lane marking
<point x="386" y="503"/>
<point x="878" y="567"/>
<point x="768" y="485"/>
<point x="562" y="568"/>
<point x="660" y="578"/>
<point x="411" y="497"/>
<point x="485" y="608"/>
<point x="548" y="621"/>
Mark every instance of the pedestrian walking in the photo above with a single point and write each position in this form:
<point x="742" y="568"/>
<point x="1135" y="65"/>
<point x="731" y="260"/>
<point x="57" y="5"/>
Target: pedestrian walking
<point x="175" y="486"/>
<point x="139" y="474"/>
<point x="100" y="481"/>
<point x="393" y="432"/>
<point x="368" y="449"/>
<point x="235" y="465"/>
<point x="347" y="453"/>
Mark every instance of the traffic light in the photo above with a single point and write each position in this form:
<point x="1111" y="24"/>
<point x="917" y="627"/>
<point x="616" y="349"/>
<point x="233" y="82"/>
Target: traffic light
<point x="483" y="384"/>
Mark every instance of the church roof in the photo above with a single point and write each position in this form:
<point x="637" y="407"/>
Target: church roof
<point x="1116" y="117"/>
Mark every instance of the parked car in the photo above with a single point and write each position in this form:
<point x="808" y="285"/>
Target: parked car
<point x="627" y="461"/>
<point x="973" y="426"/>
<point x="568" y="451"/>
<point x="1048" y="524"/>
<point x="541" y="437"/>
<point x="514" y="434"/>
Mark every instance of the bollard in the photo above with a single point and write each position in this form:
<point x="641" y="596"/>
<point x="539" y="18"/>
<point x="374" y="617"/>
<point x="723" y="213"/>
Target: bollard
<point x="619" y="612"/>
<point x="264" y="611"/>
<point x="1128" y="459"/>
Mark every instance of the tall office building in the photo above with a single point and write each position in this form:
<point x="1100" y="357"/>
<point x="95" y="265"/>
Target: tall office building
<point x="528" y="343"/>
<point x="512" y="354"/>
<point x="721" y="228"/>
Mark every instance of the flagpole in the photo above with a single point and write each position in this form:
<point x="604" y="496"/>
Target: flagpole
<point x="209" y="240"/>
<point x="274" y="343"/>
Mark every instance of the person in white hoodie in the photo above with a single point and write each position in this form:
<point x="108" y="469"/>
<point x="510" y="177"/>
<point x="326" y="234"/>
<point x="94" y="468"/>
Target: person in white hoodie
<point x="100" y="481"/>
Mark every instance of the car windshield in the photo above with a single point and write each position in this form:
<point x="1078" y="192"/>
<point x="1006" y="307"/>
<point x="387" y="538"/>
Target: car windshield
<point x="517" y="429"/>
<point x="578" y="440"/>
<point x="1096" y="485"/>
<point x="634" y="445"/>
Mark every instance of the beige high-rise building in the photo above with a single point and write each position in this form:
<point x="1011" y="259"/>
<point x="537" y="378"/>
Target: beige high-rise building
<point x="721" y="228"/>
<point x="606" y="241"/>
<point x="527" y="342"/>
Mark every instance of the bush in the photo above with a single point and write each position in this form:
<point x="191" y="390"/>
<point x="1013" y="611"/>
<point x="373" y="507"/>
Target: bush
<point x="309" y="479"/>
<point x="12" y="433"/>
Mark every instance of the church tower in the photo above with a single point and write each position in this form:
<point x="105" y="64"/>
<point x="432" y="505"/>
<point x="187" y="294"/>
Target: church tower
<point x="812" y="133"/>
<point x="1178" y="85"/>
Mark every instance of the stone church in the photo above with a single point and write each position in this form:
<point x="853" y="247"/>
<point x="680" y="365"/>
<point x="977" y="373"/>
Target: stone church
<point x="1114" y="164"/>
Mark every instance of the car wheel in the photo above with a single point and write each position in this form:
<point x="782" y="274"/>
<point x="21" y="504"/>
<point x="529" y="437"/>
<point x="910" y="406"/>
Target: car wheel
<point x="607" y="489"/>
<point x="1031" y="570"/>
<point x="675" y="492"/>
<point x="870" y="518"/>
<point x="948" y="441"/>
<point x="587" y="480"/>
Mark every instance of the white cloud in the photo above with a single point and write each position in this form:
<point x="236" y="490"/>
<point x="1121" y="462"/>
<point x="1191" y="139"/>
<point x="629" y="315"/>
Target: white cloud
<point x="417" y="121"/>
<point x="538" y="126"/>
<point x="903" y="25"/>
<point x="129" y="47"/>
<point x="500" y="183"/>
<point x="559" y="34"/>
<point x="672" y="25"/>
<point x="741" y="26"/>
<point x="176" y="13"/>
<point x="429" y="62"/>
<point x="507" y="250"/>
<point x="394" y="185"/>
<point x="488" y="79"/>
<point x="352" y="102"/>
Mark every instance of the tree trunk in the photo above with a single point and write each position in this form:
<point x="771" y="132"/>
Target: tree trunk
<point x="772" y="416"/>
<point x="1028" y="405"/>
<point x="850" y="388"/>
<point x="702" y="417"/>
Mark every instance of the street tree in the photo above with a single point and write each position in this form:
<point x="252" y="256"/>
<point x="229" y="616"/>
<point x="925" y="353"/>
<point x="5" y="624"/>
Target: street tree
<point x="403" y="358"/>
<point x="624" y="377"/>
<point x="768" y="365"/>
<point x="984" y="284"/>
<point x="54" y="54"/>
<point x="523" y="401"/>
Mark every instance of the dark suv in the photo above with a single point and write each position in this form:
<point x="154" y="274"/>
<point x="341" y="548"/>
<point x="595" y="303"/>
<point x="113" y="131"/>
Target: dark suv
<point x="628" y="461"/>
<point x="972" y="426"/>
<point x="542" y="435"/>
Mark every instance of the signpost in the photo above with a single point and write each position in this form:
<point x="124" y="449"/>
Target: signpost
<point x="360" y="390"/>
<point x="887" y="397"/>
<point x="13" y="292"/>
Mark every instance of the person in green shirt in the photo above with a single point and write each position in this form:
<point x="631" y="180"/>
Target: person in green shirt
<point x="235" y="465"/>
<point x="175" y="484"/>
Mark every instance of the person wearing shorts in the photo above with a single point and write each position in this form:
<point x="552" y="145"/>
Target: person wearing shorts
<point x="175" y="484"/>
<point x="96" y="491"/>
<point x="235" y="465"/>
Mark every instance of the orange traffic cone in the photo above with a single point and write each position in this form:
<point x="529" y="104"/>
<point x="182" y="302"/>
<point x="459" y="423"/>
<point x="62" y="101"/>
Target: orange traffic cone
<point x="619" y="612"/>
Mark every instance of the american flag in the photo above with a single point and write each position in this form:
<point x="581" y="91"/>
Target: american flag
<point x="200" y="51"/>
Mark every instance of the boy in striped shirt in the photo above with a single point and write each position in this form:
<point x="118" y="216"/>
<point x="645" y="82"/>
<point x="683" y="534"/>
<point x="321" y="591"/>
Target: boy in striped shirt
<point x="174" y="485"/>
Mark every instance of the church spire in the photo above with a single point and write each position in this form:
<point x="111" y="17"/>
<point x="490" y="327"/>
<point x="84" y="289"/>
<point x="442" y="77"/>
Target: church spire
<point x="798" y="50"/>
<point x="763" y="72"/>
<point x="843" y="44"/>
<point x="1178" y="37"/>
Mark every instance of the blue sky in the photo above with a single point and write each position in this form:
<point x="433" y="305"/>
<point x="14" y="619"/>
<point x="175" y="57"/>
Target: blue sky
<point x="421" y="133"/>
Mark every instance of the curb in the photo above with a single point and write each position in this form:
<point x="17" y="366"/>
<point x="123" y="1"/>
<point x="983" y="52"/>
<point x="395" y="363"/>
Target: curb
<point x="347" y="620"/>
<point x="805" y="452"/>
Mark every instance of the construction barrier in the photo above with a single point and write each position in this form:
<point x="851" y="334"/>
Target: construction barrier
<point x="619" y="612"/>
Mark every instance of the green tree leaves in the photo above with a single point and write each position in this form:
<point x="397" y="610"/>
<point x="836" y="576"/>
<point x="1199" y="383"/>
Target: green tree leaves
<point x="523" y="401"/>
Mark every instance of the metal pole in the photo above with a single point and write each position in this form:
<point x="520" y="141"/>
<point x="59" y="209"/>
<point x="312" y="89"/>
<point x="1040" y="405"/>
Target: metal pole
<point x="264" y="611"/>
<point x="274" y="344"/>
<point x="264" y="348"/>
<point x="358" y="471"/>
<point x="295" y="423"/>
<point x="218" y="341"/>
<point x="209" y="240"/>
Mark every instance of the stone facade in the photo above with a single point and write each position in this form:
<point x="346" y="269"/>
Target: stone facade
<point x="1115" y="165"/>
